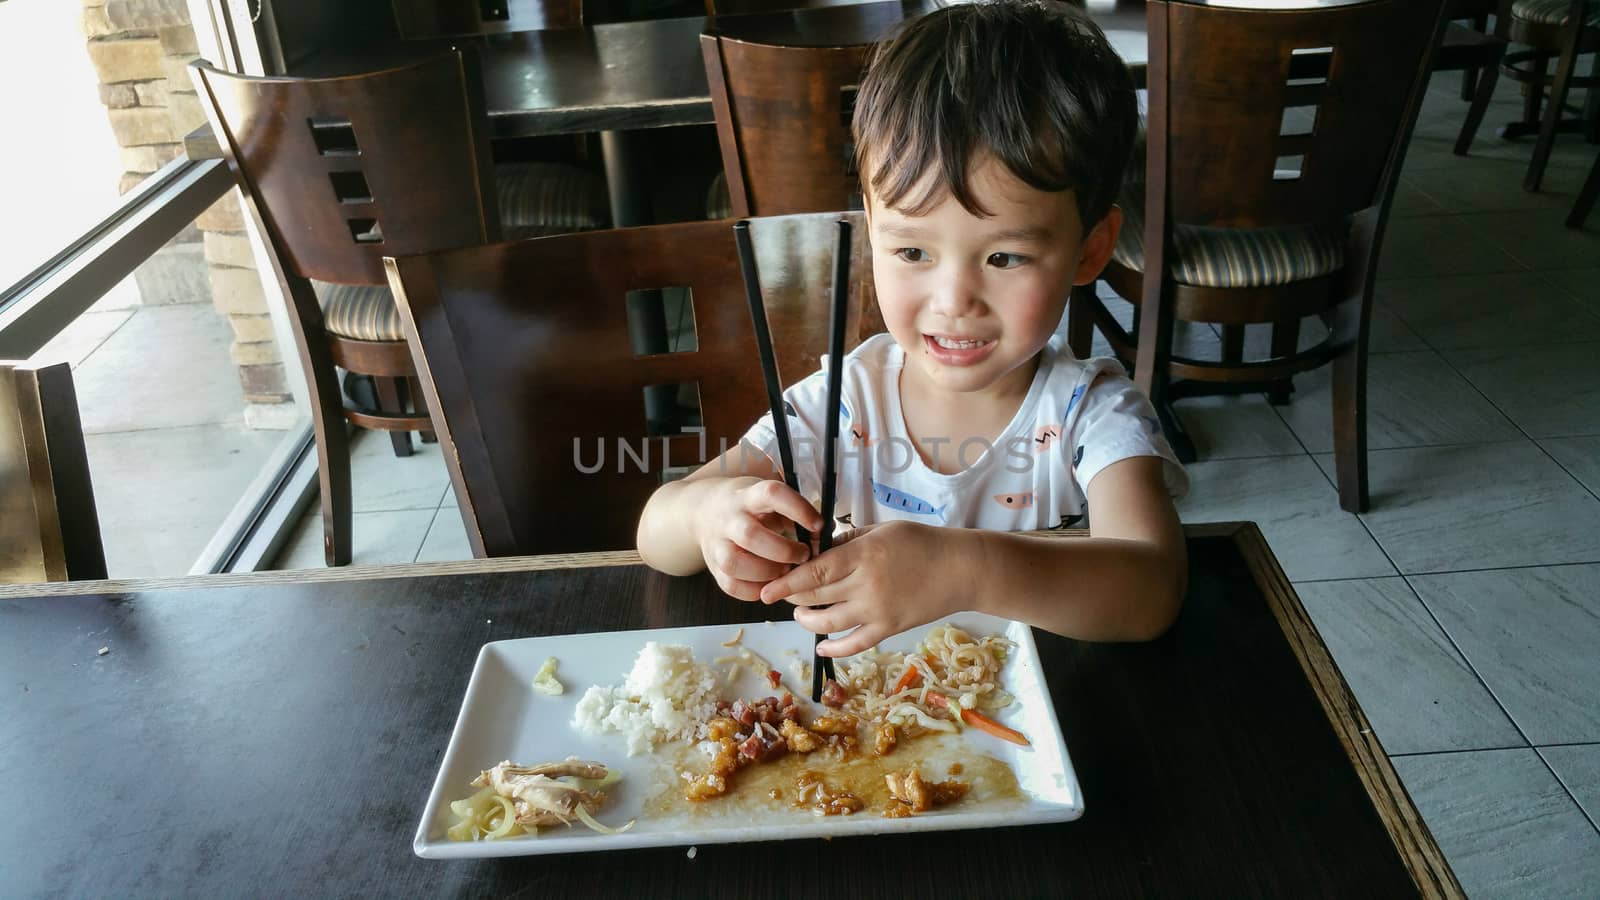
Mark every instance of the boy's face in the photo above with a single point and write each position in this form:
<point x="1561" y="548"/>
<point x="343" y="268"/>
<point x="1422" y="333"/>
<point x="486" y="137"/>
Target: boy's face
<point x="973" y="300"/>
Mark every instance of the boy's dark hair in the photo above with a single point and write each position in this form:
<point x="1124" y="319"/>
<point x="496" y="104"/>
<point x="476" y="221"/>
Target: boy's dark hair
<point x="1033" y="83"/>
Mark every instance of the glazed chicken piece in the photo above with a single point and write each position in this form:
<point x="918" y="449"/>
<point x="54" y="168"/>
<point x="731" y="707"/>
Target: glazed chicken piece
<point x="714" y="783"/>
<point x="884" y="739"/>
<point x="839" y="724"/>
<point x="920" y="796"/>
<point x="720" y="728"/>
<point x="538" y="797"/>
<point x="799" y="739"/>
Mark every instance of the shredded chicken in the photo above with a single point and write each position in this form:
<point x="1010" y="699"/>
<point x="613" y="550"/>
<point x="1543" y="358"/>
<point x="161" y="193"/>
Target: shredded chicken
<point x="538" y="797"/>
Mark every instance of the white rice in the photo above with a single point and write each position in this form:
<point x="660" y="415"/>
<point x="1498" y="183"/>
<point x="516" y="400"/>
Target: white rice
<point x="666" y="697"/>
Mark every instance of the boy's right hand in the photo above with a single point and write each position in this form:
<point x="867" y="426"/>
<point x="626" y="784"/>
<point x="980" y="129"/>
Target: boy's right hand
<point x="741" y="533"/>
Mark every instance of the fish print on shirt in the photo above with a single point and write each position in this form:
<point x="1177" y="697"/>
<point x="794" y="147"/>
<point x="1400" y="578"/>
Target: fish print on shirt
<point x="897" y="499"/>
<point x="1045" y="437"/>
<point x="788" y="409"/>
<point x="1077" y="456"/>
<point x="1021" y="500"/>
<point x="1077" y="394"/>
<point x="845" y="520"/>
<point x="1066" y="522"/>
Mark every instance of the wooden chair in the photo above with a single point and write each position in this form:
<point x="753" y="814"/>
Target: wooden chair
<point x="1586" y="196"/>
<point x="526" y="360"/>
<point x="48" y="527"/>
<point x="338" y="172"/>
<point x="1236" y="230"/>
<point x="783" y="122"/>
<point x="1559" y="30"/>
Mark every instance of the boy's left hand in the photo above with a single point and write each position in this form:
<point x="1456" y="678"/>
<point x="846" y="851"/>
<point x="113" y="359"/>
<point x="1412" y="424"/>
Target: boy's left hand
<point x="881" y="580"/>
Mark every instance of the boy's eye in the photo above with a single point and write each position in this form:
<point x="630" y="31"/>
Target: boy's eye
<point x="1006" y="260"/>
<point x="911" y="254"/>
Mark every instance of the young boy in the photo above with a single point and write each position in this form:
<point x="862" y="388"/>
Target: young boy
<point x="991" y="139"/>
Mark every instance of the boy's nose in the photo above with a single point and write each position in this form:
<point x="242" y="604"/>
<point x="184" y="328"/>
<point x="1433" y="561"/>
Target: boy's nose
<point x="957" y="296"/>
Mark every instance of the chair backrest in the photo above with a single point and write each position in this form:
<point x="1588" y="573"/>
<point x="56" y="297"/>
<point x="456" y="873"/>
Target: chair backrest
<point x="1280" y="117"/>
<point x="783" y="122"/>
<point x="420" y="19"/>
<point x="344" y="171"/>
<point x="48" y="527"/>
<point x="524" y="355"/>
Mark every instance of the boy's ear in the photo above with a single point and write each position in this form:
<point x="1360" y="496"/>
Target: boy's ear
<point x="1097" y="246"/>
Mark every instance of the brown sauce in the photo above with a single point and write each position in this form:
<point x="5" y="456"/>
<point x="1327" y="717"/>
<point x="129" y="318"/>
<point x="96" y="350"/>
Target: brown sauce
<point x="771" y="785"/>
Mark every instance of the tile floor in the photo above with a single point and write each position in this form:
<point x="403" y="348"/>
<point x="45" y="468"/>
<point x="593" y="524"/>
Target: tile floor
<point x="1465" y="606"/>
<point x="167" y="464"/>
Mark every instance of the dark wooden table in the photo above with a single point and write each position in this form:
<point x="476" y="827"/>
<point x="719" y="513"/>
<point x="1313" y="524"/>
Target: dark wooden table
<point x="648" y="74"/>
<point x="279" y="733"/>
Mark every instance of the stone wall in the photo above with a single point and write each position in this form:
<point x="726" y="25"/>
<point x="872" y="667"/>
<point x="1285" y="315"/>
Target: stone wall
<point x="141" y="50"/>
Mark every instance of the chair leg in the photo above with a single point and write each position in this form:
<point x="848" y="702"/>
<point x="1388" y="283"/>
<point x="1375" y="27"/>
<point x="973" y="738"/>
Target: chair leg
<point x="1233" y="344"/>
<point x="1080" y="320"/>
<point x="333" y="459"/>
<point x="414" y="388"/>
<point x="1533" y="91"/>
<point x="389" y="401"/>
<point x="1285" y="341"/>
<point x="1469" y="77"/>
<point x="1350" y="427"/>
<point x="1586" y="196"/>
<point x="1553" y="110"/>
<point x="1487" y="80"/>
<point x="1153" y="326"/>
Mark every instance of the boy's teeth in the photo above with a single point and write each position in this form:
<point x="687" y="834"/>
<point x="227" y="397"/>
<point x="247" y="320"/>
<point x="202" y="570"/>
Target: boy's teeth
<point x="957" y="345"/>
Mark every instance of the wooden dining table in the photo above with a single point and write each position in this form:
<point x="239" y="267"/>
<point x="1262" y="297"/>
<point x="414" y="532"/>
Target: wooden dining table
<point x="278" y="733"/>
<point x="648" y="74"/>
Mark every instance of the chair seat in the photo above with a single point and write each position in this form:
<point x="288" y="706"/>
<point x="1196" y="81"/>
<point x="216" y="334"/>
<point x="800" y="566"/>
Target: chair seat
<point x="364" y="312"/>
<point x="1231" y="257"/>
<point x="1552" y="12"/>
<point x="536" y="200"/>
<point x="551" y="195"/>
<point x="718" y="204"/>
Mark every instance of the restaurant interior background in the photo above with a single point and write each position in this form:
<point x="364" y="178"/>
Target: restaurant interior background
<point x="1463" y="607"/>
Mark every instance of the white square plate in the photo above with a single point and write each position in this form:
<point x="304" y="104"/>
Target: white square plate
<point x="502" y="718"/>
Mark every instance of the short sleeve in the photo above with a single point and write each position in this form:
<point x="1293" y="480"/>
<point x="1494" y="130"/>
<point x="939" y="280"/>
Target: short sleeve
<point x="803" y="405"/>
<point x="1114" y="422"/>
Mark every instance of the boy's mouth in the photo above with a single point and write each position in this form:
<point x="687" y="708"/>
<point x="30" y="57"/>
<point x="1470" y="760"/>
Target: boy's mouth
<point x="957" y="350"/>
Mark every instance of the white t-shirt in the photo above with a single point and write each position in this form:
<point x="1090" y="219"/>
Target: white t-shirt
<point x="1078" y="418"/>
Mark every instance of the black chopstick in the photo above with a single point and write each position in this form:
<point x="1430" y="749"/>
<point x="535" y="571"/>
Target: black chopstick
<point x="837" y="312"/>
<point x="820" y="666"/>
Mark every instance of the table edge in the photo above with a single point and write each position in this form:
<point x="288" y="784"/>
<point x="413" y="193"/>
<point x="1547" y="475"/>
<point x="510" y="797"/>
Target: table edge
<point x="1420" y="853"/>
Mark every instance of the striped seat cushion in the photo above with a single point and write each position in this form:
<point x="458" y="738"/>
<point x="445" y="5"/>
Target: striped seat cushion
<point x="1553" y="12"/>
<point x="1231" y="257"/>
<point x="551" y="195"/>
<point x="365" y="312"/>
<point x="718" y="204"/>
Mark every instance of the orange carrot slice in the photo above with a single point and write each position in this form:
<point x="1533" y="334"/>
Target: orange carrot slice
<point x="983" y="723"/>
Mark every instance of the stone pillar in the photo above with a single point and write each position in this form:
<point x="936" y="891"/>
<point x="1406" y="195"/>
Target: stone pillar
<point x="141" y="50"/>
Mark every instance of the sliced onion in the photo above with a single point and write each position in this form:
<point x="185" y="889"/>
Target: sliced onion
<point x="583" y="816"/>
<point x="508" y="820"/>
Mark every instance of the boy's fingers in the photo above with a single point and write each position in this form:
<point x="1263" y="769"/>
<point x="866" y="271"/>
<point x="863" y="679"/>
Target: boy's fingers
<point x="775" y="496"/>
<point x="838" y="617"/>
<point x="739" y="589"/>
<point x="767" y="544"/>
<point x="860" y="640"/>
<point x="803" y="584"/>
